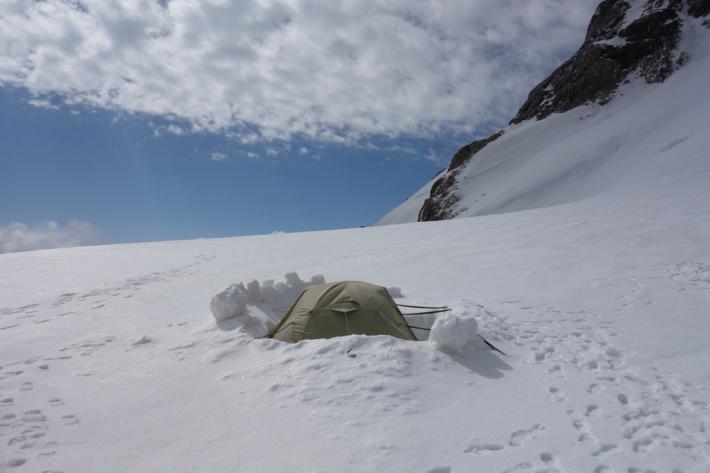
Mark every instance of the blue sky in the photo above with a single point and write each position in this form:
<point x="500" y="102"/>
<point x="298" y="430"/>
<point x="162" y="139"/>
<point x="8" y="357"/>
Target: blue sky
<point x="137" y="120"/>
<point x="112" y="170"/>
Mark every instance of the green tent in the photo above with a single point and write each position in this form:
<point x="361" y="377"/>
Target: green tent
<point x="342" y="308"/>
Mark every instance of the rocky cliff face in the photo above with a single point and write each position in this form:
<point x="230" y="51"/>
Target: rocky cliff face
<point x="624" y="39"/>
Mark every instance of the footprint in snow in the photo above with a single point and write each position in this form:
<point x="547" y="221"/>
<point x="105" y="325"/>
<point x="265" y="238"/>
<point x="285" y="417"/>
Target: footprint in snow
<point x="14" y="463"/>
<point x="55" y="402"/>
<point x="520" y="437"/>
<point x="483" y="448"/>
<point x="603" y="469"/>
<point x="70" y="419"/>
<point x="556" y="394"/>
<point x="440" y="469"/>
<point x="605" y="449"/>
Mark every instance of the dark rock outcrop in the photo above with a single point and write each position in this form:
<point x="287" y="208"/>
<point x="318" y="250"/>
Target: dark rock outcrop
<point x="442" y="196"/>
<point x="611" y="51"/>
<point x="440" y="201"/>
<point x="614" y="47"/>
<point x="465" y="153"/>
<point x="699" y="8"/>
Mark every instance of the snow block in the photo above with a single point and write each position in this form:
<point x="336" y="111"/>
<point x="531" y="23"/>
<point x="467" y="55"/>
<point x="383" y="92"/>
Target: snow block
<point x="254" y="291"/>
<point x="317" y="279"/>
<point x="268" y="291"/>
<point x="452" y="332"/>
<point x="294" y="281"/>
<point x="229" y="303"/>
<point x="395" y="292"/>
<point x="256" y="300"/>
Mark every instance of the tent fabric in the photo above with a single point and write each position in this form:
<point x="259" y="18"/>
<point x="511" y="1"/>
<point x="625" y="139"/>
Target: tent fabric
<point x="342" y="308"/>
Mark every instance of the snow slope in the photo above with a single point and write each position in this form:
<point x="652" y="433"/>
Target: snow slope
<point x="410" y="207"/>
<point x="646" y="132"/>
<point x="110" y="360"/>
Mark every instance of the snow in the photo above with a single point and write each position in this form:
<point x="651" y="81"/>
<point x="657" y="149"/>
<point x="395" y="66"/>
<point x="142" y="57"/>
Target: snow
<point x="230" y="303"/>
<point x="409" y="210"/>
<point x="256" y="307"/>
<point x="453" y="332"/>
<point x="395" y="292"/>
<point x="601" y="306"/>
<point x="110" y="359"/>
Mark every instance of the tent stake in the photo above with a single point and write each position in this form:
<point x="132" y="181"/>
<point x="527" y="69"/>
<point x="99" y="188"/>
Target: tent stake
<point x="491" y="346"/>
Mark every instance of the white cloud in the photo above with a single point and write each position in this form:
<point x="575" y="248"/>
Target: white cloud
<point x="175" y="129"/>
<point x="20" y="237"/>
<point x="436" y="157"/>
<point x="218" y="156"/>
<point x="269" y="69"/>
<point x="43" y="103"/>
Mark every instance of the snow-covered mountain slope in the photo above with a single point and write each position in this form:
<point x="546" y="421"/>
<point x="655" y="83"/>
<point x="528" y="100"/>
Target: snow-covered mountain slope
<point x="110" y="359"/>
<point x="623" y="135"/>
<point x="409" y="207"/>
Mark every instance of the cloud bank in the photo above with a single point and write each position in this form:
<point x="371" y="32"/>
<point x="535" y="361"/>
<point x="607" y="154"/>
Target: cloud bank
<point x="19" y="237"/>
<point x="271" y="69"/>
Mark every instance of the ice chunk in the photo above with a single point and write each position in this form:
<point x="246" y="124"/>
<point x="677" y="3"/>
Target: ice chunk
<point x="453" y="332"/>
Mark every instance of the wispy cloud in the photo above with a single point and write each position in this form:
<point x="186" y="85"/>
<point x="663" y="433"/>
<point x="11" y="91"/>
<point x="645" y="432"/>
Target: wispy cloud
<point x="218" y="156"/>
<point x="20" y="237"/>
<point x="269" y="69"/>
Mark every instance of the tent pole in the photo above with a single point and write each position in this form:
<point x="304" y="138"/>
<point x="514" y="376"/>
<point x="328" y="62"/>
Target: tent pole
<point x="427" y="312"/>
<point x="422" y="306"/>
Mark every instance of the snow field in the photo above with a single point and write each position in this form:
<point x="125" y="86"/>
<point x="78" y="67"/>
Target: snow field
<point x="601" y="306"/>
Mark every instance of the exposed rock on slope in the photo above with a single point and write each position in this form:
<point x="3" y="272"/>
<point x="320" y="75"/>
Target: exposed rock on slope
<point x="624" y="39"/>
<point x="612" y="49"/>
<point x="442" y="197"/>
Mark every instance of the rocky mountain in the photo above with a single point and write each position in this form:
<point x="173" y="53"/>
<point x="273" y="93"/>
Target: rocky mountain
<point x="631" y="49"/>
